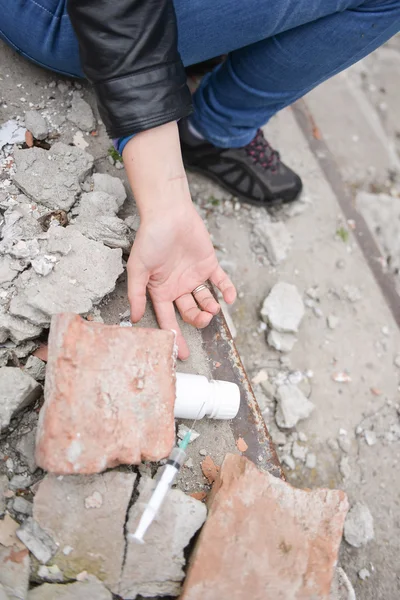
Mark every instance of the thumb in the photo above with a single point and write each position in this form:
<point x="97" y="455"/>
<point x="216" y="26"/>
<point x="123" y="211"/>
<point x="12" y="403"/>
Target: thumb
<point x="138" y="278"/>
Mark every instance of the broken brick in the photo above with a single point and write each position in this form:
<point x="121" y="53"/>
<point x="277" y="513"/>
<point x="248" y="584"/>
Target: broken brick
<point x="241" y="445"/>
<point x="109" y="397"/>
<point x="264" y="539"/>
<point x="210" y="469"/>
<point x="199" y="496"/>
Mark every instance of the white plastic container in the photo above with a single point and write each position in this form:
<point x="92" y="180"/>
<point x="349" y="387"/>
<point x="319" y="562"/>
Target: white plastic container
<point x="221" y="399"/>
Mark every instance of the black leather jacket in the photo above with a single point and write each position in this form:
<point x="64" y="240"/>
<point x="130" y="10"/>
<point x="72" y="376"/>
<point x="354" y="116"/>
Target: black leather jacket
<point x="129" y="53"/>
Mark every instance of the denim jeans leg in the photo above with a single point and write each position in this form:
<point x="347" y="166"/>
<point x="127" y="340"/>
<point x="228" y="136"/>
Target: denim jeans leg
<point x="257" y="81"/>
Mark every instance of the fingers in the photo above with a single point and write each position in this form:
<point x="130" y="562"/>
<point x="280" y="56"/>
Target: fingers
<point x="191" y="313"/>
<point x="138" y="278"/>
<point x="206" y="301"/>
<point x="166" y="318"/>
<point x="221" y="280"/>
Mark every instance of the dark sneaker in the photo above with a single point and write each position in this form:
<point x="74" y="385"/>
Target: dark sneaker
<point x="254" y="173"/>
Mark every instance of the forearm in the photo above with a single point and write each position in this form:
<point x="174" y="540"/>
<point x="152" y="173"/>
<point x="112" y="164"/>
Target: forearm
<point x="153" y="163"/>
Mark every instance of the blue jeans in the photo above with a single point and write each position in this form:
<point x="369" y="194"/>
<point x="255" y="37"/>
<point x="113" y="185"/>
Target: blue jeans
<point x="278" y="50"/>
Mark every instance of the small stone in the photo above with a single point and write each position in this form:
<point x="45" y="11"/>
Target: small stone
<point x="289" y="462"/>
<point x="344" y="443"/>
<point x="275" y="238"/>
<point x="17" y="391"/>
<point x="359" y="526"/>
<point x="311" y="460"/>
<point x="261" y="377"/>
<point x="283" y="309"/>
<point x="37" y="540"/>
<point x="35" y="123"/>
<point x="80" y="142"/>
<point x="203" y="452"/>
<point x="370" y="437"/>
<point x="283" y="342"/>
<point x="299" y="553"/>
<point x="333" y="321"/>
<point x="156" y="568"/>
<point x="81" y="113"/>
<point x="19" y="482"/>
<point x="344" y="467"/>
<point x="292" y="406"/>
<point x="67" y="550"/>
<point x="364" y="574"/>
<point x="11" y="133"/>
<point x="20" y="505"/>
<point x="189" y="463"/>
<point x="52" y="574"/>
<point x="113" y="186"/>
<point x="183" y="430"/>
<point x="89" y="589"/>
<point x="36" y="368"/>
<point x="302" y="436"/>
<point x="278" y="437"/>
<point x="352" y="293"/>
<point x="119" y="165"/>
<point x="299" y="452"/>
<point x="26" y="448"/>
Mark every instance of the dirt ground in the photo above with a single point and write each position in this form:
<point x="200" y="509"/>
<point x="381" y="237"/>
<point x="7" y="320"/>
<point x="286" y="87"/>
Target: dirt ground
<point x="326" y="264"/>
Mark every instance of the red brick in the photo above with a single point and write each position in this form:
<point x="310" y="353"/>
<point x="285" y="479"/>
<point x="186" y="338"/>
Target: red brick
<point x="264" y="539"/>
<point x="109" y="396"/>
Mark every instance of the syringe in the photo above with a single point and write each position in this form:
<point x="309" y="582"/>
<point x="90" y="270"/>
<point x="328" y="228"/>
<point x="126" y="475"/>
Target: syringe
<point x="175" y="461"/>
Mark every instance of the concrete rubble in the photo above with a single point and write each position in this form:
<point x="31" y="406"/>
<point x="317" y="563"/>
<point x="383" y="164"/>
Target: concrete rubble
<point x="14" y="572"/>
<point x="17" y="391"/>
<point x="35" y="123"/>
<point x="156" y="568"/>
<point x="81" y="113"/>
<point x="304" y="526"/>
<point x="37" y="540"/>
<point x="292" y="406"/>
<point x="52" y="178"/>
<point x="76" y="437"/>
<point x="359" y="526"/>
<point x="11" y="132"/>
<point x="283" y="308"/>
<point x="275" y="238"/>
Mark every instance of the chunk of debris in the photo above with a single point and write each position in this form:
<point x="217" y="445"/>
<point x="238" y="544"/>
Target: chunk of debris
<point x="289" y="461"/>
<point x="364" y="574"/>
<point x="333" y="321"/>
<point x="96" y="537"/>
<point x="275" y="238"/>
<point x="17" y="391"/>
<point x="11" y="132"/>
<point x="26" y="448"/>
<point x="43" y="265"/>
<point x="283" y="309"/>
<point x="22" y="506"/>
<point x="79" y="140"/>
<point x="260" y="377"/>
<point x="344" y="442"/>
<point x="3" y="490"/>
<point x="15" y="329"/>
<point x="299" y="552"/>
<point x="19" y="482"/>
<point x="292" y="406"/>
<point x="344" y="467"/>
<point x="269" y="389"/>
<point x="9" y="269"/>
<point x="370" y="437"/>
<point x="183" y="430"/>
<point x="81" y="113"/>
<point x="52" y="574"/>
<point x="283" y="342"/>
<point x="35" y="123"/>
<point x="91" y="588"/>
<point x="341" y="377"/>
<point x="299" y="452"/>
<point x="37" y="540"/>
<point x="134" y="418"/>
<point x="36" y="368"/>
<point x="102" y="182"/>
<point x="352" y="293"/>
<point x="14" y="573"/>
<point x="241" y="445"/>
<point x="210" y="469"/>
<point x="359" y="526"/>
<point x="156" y="568"/>
<point x="83" y="276"/>
<point x="52" y="177"/>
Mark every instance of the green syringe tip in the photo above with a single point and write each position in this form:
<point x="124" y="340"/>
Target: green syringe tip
<point x="185" y="442"/>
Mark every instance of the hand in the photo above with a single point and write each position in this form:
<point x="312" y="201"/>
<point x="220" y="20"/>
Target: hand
<point x="172" y="256"/>
<point x="172" y="253"/>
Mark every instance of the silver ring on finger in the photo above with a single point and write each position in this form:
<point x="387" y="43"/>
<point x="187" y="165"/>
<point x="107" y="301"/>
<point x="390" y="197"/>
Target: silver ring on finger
<point x="200" y="288"/>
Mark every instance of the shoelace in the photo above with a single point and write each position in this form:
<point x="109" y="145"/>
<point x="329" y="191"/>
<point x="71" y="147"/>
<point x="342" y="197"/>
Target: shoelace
<point x="260" y="152"/>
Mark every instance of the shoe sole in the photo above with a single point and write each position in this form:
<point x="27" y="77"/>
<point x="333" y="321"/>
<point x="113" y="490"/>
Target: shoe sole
<point x="233" y="191"/>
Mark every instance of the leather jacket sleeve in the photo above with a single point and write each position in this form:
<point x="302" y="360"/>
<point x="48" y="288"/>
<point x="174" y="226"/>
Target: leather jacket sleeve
<point x="129" y="53"/>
